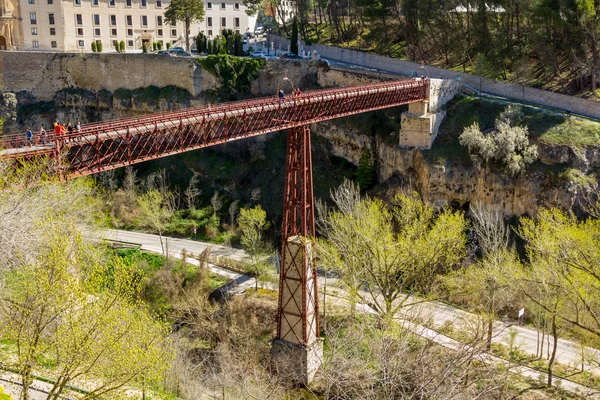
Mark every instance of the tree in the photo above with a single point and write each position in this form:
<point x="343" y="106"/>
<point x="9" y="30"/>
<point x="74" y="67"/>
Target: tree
<point x="122" y="46"/>
<point x="58" y="308"/>
<point x="159" y="46"/>
<point x="393" y="252"/>
<point x="366" y="173"/>
<point x="201" y="43"/>
<point x="99" y="46"/>
<point x="294" y="40"/>
<point x="186" y="11"/>
<point x="253" y="223"/>
<point x="239" y="48"/>
<point x="154" y="46"/>
<point x="154" y="213"/>
<point x="117" y="47"/>
<point x="94" y="47"/>
<point x="508" y="145"/>
<point x="168" y="45"/>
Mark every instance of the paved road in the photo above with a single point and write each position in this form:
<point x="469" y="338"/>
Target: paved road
<point x="568" y="352"/>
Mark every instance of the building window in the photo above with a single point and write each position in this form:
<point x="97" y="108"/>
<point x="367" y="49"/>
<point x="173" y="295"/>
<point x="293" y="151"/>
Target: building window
<point x="174" y="32"/>
<point x="33" y="18"/>
<point x="159" y="20"/>
<point x="52" y="31"/>
<point x="209" y="6"/>
<point x="237" y="22"/>
<point x="50" y="1"/>
<point x="81" y="43"/>
<point x="222" y="6"/>
<point x="78" y="19"/>
<point x="158" y="3"/>
<point x="236" y="6"/>
<point x="210" y="33"/>
<point x="128" y="3"/>
<point x="111" y="3"/>
<point x="79" y="31"/>
<point x="209" y="21"/>
<point x="53" y="44"/>
<point x="34" y="31"/>
<point x="129" y="20"/>
<point x="159" y="32"/>
<point x="31" y="1"/>
<point x="113" y="32"/>
<point x="77" y="2"/>
<point x="129" y="32"/>
<point x="144" y="3"/>
<point x="35" y="44"/>
<point x="51" y="19"/>
<point x="113" y="20"/>
<point x="144" y="20"/>
<point x="223" y="22"/>
<point x="130" y="43"/>
<point x="96" y="19"/>
<point x="95" y="3"/>
<point x="97" y="32"/>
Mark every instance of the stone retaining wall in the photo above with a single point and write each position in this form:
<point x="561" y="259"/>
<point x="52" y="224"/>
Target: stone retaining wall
<point x="509" y="90"/>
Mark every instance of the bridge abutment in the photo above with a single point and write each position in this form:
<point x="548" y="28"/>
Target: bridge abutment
<point x="420" y="124"/>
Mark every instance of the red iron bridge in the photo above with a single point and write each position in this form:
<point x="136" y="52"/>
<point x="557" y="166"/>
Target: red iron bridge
<point x="108" y="145"/>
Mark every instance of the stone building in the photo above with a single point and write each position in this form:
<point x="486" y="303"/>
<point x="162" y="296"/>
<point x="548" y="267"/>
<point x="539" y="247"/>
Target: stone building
<point x="72" y="25"/>
<point x="10" y="34"/>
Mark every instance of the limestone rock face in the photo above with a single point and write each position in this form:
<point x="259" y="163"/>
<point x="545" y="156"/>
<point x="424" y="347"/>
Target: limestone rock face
<point x="455" y="184"/>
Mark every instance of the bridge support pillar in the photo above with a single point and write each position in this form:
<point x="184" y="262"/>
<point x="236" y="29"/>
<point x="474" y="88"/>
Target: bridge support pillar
<point x="419" y="127"/>
<point x="297" y="350"/>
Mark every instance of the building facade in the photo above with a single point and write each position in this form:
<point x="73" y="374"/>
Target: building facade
<point x="72" y="25"/>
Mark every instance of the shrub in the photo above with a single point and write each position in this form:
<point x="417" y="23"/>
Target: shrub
<point x="99" y="46"/>
<point x="506" y="145"/>
<point x="159" y="46"/>
<point x="122" y="46"/>
<point x="168" y="45"/>
<point x="154" y="46"/>
<point x="94" y="47"/>
<point x="236" y="73"/>
<point x="145" y="48"/>
<point x="117" y="47"/>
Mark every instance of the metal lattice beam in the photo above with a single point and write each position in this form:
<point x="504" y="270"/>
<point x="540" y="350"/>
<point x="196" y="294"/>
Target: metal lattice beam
<point x="109" y="145"/>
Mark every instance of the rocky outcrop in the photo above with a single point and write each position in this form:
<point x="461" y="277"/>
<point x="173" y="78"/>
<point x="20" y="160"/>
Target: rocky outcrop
<point x="449" y="183"/>
<point x="581" y="158"/>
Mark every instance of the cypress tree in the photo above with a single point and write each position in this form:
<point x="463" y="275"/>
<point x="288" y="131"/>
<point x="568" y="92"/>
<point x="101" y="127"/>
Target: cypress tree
<point x="94" y="48"/>
<point x="122" y="46"/>
<point x="365" y="174"/>
<point x="294" y="45"/>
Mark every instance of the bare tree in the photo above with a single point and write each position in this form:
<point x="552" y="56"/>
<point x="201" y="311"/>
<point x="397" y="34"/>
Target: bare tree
<point x="216" y="203"/>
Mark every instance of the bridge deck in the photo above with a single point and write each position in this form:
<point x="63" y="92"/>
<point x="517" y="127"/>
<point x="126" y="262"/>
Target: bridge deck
<point x="108" y="145"/>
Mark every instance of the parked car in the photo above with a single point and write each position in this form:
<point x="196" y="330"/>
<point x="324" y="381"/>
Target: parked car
<point x="259" y="30"/>
<point x="164" y="53"/>
<point x="180" y="53"/>
<point x="258" y="54"/>
<point x="248" y="35"/>
<point x="177" y="48"/>
<point x="292" y="56"/>
<point x="270" y="57"/>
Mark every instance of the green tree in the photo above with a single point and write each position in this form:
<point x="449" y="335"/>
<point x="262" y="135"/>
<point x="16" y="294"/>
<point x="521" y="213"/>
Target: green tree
<point x="168" y="45"/>
<point x="366" y="173"/>
<point x="122" y="46"/>
<point x="186" y="11"/>
<point x="252" y="223"/>
<point x="94" y="47"/>
<point x="55" y="310"/>
<point x="223" y="45"/>
<point x="294" y="39"/>
<point x="155" y="213"/>
<point x="393" y="252"/>
<point x="201" y="43"/>
<point x="209" y="47"/>
<point x="99" y="46"/>
<point x="154" y="46"/>
<point x="239" y="48"/>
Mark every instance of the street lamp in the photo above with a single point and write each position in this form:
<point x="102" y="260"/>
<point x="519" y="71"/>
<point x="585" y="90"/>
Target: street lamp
<point x="425" y="68"/>
<point x="285" y="78"/>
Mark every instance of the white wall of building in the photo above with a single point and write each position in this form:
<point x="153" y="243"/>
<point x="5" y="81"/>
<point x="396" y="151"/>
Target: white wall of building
<point x="72" y="25"/>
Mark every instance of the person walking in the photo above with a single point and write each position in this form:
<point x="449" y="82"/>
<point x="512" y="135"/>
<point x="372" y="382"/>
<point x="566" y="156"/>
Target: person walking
<point x="43" y="135"/>
<point x="70" y="127"/>
<point x="78" y="127"/>
<point x="281" y="97"/>
<point x="29" y="136"/>
<point x="298" y="92"/>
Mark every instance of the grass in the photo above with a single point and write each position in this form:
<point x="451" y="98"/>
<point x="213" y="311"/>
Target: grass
<point x="572" y="132"/>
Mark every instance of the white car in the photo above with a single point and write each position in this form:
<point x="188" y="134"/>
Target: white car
<point x="257" y="54"/>
<point x="270" y="57"/>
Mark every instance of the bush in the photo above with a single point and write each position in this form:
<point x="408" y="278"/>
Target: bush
<point x="506" y="145"/>
<point x="159" y="46"/>
<point x="122" y="46"/>
<point x="154" y="46"/>
<point x="94" y="47"/>
<point x="117" y="47"/>
<point x="236" y="73"/>
<point x="145" y="48"/>
<point x="168" y="45"/>
<point x="99" y="46"/>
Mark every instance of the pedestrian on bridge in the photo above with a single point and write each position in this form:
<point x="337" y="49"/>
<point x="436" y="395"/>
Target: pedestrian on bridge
<point x="281" y="96"/>
<point x="298" y="92"/>
<point x="43" y="135"/>
<point x="29" y="136"/>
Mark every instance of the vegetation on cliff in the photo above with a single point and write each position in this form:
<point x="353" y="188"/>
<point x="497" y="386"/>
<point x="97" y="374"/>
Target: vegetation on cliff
<point x="236" y="73"/>
<point x="551" y="43"/>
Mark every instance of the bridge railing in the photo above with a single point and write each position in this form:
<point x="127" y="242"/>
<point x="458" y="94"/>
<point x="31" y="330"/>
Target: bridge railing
<point x="113" y="144"/>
